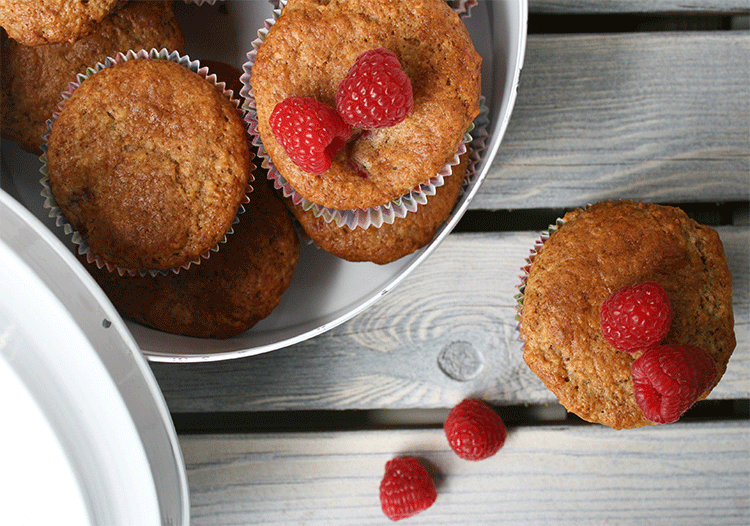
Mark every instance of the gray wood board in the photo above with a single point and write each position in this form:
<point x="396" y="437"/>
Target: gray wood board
<point x="661" y="117"/>
<point x="562" y="7"/>
<point x="688" y="474"/>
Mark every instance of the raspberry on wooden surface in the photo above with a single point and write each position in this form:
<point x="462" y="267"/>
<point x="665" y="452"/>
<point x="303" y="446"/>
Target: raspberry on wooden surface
<point x="474" y="430"/>
<point x="406" y="488"/>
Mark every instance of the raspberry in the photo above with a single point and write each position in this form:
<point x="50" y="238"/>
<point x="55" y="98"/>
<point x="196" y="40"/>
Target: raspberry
<point x="668" y="379"/>
<point x="474" y="430"/>
<point x="310" y="132"/>
<point x="635" y="318"/>
<point x="375" y="93"/>
<point x="406" y="488"/>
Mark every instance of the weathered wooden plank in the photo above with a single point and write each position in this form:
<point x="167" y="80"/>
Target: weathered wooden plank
<point x="692" y="474"/>
<point x="661" y="117"/>
<point x="564" y="7"/>
<point x="449" y="331"/>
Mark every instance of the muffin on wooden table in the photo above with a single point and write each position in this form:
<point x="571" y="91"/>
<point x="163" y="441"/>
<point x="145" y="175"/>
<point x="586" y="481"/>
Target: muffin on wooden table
<point x="148" y="161"/>
<point x="591" y="255"/>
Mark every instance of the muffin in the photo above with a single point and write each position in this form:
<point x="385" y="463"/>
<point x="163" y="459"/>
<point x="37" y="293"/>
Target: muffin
<point x="596" y="252"/>
<point x="228" y="293"/>
<point x="149" y="162"/>
<point x="26" y="103"/>
<point x="308" y="51"/>
<point x="34" y="22"/>
<point x="389" y="242"/>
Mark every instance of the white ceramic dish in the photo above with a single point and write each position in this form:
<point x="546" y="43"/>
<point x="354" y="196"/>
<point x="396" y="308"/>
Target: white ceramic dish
<point x="86" y="428"/>
<point x="325" y="290"/>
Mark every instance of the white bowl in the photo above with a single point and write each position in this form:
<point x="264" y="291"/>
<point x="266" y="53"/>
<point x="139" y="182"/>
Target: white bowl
<point x="325" y="290"/>
<point x="88" y="435"/>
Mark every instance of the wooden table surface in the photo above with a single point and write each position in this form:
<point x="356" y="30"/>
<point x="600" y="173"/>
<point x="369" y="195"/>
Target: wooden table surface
<point x="645" y="100"/>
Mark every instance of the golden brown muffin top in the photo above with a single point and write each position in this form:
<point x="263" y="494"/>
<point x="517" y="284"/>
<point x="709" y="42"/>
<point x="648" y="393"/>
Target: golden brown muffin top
<point x="597" y="251"/>
<point x="34" y="77"/>
<point x="34" y="22"/>
<point x="148" y="162"/>
<point x="391" y="241"/>
<point x="309" y="50"/>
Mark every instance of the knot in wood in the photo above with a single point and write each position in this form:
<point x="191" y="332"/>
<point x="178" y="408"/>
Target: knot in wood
<point x="460" y="361"/>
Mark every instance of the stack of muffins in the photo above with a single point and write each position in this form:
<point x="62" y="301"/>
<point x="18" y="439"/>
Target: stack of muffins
<point x="148" y="164"/>
<point x="349" y="210"/>
<point x="148" y="168"/>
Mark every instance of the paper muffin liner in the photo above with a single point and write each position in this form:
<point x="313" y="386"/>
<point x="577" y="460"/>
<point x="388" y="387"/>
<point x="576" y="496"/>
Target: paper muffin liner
<point x="374" y="216"/>
<point x="529" y="261"/>
<point x="201" y="2"/>
<point x="50" y="202"/>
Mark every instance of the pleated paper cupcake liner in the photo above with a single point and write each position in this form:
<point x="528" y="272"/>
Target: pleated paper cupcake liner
<point x="50" y="202"/>
<point x="529" y="261"/>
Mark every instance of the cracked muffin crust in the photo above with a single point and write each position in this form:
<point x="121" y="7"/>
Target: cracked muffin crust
<point x="595" y="252"/>
<point x="149" y="162"/>
<point x="26" y="103"/>
<point x="309" y="50"/>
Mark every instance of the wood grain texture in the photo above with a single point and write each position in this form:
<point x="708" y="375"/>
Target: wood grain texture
<point x="567" y="7"/>
<point x="660" y="117"/>
<point x="693" y="474"/>
<point x="461" y="299"/>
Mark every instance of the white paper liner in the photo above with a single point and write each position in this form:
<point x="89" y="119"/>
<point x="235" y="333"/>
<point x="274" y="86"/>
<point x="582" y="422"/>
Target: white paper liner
<point x="529" y="261"/>
<point x="51" y="203"/>
<point x="374" y="216"/>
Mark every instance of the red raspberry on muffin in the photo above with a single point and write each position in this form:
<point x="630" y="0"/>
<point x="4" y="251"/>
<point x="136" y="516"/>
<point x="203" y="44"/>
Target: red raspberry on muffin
<point x="669" y="379"/>
<point x="375" y="93"/>
<point x="311" y="132"/>
<point x="636" y="318"/>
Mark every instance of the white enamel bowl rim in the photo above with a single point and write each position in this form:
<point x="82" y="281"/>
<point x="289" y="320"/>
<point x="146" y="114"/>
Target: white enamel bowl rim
<point x="66" y="343"/>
